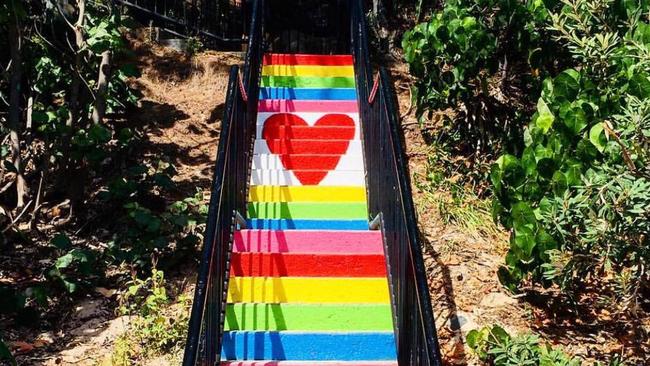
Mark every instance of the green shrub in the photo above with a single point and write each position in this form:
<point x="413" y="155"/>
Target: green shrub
<point x="574" y="184"/>
<point x="465" y="58"/>
<point x="577" y="199"/>
<point x="495" y="346"/>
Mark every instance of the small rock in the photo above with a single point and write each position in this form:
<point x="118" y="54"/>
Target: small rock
<point x="497" y="300"/>
<point x="89" y="309"/>
<point x="44" y="339"/>
<point x="462" y="321"/>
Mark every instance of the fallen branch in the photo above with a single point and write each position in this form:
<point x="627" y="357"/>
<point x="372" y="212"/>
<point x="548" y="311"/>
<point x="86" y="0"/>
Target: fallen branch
<point x="408" y="111"/>
<point x="17" y="217"/>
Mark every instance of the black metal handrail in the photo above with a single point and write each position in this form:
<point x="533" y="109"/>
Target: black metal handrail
<point x="309" y="26"/>
<point x="390" y="198"/>
<point x="218" y="22"/>
<point x="228" y="197"/>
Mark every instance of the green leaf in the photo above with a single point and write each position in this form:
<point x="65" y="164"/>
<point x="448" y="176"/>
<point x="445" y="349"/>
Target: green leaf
<point x="576" y="120"/>
<point x="559" y="183"/>
<point x="130" y="70"/>
<point x="5" y="354"/>
<point x="510" y="277"/>
<point x="523" y="215"/>
<point x="473" y="338"/>
<point x="64" y="261"/>
<point x="499" y="335"/>
<point x="547" y="88"/>
<point x="523" y="244"/>
<point x="597" y="137"/>
<point x="640" y="86"/>
<point x="545" y="242"/>
<point x="586" y="151"/>
<point x="99" y="134"/>
<point x="70" y="286"/>
<point x="61" y="241"/>
<point x="496" y="175"/>
<point x="573" y="176"/>
<point x="566" y="85"/>
<point x="545" y="117"/>
<point x="496" y="210"/>
<point x="546" y="167"/>
<point x="529" y="162"/>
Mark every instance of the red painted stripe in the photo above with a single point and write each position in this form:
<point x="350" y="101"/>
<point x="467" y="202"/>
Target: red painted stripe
<point x="308" y="146"/>
<point x="308" y="241"/>
<point x="307" y="265"/>
<point x="291" y="106"/>
<point x="314" y="132"/>
<point x="308" y="161"/>
<point x="297" y="59"/>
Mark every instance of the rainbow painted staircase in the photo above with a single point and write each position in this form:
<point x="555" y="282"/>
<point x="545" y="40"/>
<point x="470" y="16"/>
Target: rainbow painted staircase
<point x="310" y="148"/>
<point x="308" y="279"/>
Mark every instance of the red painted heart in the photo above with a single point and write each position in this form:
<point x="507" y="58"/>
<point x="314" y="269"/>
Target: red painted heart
<point x="320" y="146"/>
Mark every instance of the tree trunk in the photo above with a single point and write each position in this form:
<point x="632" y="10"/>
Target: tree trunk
<point x="381" y="25"/>
<point x="99" y="109"/>
<point x="78" y="59"/>
<point x="15" y="39"/>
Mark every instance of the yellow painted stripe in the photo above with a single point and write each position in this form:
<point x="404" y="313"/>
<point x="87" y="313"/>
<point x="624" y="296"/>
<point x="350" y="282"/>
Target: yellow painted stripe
<point x="308" y="290"/>
<point x="301" y="70"/>
<point x="306" y="194"/>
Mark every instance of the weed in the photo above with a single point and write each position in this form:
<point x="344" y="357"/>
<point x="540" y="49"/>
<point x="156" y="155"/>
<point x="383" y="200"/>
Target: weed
<point x="494" y="346"/>
<point x="158" y="326"/>
<point x="455" y="203"/>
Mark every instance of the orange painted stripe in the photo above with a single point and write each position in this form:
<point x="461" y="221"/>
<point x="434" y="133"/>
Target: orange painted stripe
<point x="307" y="265"/>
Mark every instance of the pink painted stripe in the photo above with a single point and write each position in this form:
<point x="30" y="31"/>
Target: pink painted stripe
<point x="330" y="106"/>
<point x="308" y="241"/>
<point x="310" y="363"/>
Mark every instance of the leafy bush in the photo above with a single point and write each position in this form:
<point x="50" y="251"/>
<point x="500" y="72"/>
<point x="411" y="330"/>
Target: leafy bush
<point x="578" y="197"/>
<point x="146" y="226"/>
<point x="495" y="346"/>
<point x="76" y="267"/>
<point x="155" y="327"/>
<point x="574" y="186"/>
<point x="464" y="58"/>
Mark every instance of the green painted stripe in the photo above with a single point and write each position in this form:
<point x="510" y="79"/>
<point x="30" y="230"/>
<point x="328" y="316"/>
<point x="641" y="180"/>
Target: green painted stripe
<point x="307" y="210"/>
<point x="356" y="317"/>
<point x="307" y="82"/>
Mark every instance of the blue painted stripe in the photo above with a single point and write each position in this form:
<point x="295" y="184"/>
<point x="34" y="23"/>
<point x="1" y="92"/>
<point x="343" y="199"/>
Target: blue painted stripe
<point x="311" y="346"/>
<point x="308" y="94"/>
<point x="306" y="224"/>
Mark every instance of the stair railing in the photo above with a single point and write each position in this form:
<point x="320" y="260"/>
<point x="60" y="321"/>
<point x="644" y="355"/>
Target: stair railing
<point x="218" y="22"/>
<point x="390" y="200"/>
<point x="228" y="199"/>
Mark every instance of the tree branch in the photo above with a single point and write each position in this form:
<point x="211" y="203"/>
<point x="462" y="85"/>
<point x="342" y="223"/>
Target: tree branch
<point x="626" y="155"/>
